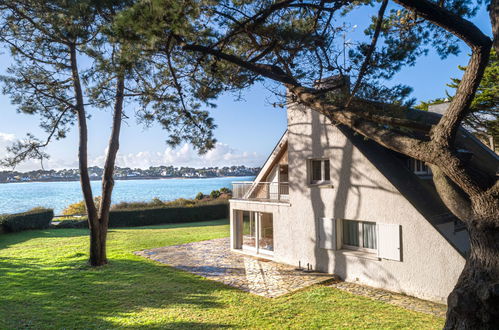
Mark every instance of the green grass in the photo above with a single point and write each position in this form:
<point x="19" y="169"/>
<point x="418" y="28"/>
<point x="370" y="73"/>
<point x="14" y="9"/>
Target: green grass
<point x="45" y="283"/>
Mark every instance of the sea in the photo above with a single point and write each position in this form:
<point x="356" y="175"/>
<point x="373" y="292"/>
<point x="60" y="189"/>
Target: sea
<point x="20" y="197"/>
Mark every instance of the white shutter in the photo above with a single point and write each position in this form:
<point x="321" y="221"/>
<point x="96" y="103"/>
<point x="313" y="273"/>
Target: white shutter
<point x="389" y="241"/>
<point x="327" y="233"/>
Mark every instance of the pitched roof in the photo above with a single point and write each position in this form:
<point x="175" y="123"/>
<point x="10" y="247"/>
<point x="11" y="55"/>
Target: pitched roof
<point x="421" y="193"/>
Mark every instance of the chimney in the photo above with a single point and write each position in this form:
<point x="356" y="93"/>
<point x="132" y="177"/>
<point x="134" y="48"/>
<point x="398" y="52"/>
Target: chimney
<point x="439" y="108"/>
<point x="340" y="84"/>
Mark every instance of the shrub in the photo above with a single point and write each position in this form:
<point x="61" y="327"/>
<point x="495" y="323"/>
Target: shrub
<point x="181" y="202"/>
<point x="37" y="218"/>
<point x="159" y="215"/>
<point x="226" y="191"/>
<point x="80" y="208"/>
<point x="164" y="215"/>
<point x="131" y="205"/>
<point x="199" y="196"/>
<point x="157" y="202"/>
<point x="215" y="194"/>
<point x="72" y="224"/>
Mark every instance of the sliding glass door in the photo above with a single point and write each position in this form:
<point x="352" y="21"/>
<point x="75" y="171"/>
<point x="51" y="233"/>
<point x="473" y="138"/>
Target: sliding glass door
<point x="266" y="233"/>
<point x="257" y="232"/>
<point x="249" y="230"/>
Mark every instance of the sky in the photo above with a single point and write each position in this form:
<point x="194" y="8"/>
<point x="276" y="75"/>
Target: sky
<point x="247" y="129"/>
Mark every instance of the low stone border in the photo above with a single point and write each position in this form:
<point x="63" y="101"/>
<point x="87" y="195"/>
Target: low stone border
<point x="407" y="302"/>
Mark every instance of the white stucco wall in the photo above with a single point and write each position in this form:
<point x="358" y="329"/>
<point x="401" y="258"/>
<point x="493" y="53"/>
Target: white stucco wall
<point x="430" y="266"/>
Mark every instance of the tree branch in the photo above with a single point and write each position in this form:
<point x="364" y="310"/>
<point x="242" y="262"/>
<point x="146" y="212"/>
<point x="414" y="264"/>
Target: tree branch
<point x="270" y="71"/>
<point x="462" y="28"/>
<point x="444" y="133"/>
<point x="363" y="68"/>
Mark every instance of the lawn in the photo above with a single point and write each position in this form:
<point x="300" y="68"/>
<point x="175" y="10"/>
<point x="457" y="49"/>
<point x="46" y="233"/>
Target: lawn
<point x="45" y="283"/>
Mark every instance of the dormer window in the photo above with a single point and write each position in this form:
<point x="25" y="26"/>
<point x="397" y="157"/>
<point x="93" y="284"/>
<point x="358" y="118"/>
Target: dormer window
<point x="319" y="171"/>
<point x="419" y="167"/>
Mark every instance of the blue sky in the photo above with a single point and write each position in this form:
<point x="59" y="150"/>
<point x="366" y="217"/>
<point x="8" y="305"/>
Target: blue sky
<point x="247" y="129"/>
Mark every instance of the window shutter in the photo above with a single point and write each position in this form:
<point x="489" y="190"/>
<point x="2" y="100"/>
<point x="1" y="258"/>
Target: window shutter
<point x="389" y="241"/>
<point x="327" y="233"/>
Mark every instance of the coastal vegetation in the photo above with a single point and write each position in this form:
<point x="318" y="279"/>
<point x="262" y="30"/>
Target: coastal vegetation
<point x="126" y="173"/>
<point x="46" y="284"/>
<point x="215" y="197"/>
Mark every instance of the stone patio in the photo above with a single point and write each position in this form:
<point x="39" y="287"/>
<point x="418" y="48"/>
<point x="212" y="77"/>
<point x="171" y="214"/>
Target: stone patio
<point x="214" y="260"/>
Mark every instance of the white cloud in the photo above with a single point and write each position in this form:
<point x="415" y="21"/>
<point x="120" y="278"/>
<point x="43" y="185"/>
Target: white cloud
<point x="221" y="155"/>
<point x="185" y="155"/>
<point x="7" y="139"/>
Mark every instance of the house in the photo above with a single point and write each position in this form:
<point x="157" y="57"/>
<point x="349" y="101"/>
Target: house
<point x="346" y="205"/>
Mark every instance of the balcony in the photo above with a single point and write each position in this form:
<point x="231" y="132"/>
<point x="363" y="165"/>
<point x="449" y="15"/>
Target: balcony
<point x="261" y="191"/>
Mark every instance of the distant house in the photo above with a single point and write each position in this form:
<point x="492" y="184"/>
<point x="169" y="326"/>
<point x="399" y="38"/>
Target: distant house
<point x="345" y="205"/>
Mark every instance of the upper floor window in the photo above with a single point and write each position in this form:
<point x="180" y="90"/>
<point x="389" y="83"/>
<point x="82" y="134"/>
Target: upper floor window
<point x="419" y="167"/>
<point x="319" y="171"/>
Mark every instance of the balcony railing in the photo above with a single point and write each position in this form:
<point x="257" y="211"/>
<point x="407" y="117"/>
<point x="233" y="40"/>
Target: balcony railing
<point x="261" y="191"/>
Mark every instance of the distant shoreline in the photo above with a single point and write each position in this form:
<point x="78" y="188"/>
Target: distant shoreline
<point x="127" y="178"/>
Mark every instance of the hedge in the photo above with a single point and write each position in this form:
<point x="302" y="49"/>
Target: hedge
<point x="34" y="219"/>
<point x="158" y="216"/>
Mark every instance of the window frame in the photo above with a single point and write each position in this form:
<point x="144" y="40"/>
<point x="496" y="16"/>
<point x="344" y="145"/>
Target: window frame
<point x="419" y="167"/>
<point x="360" y="237"/>
<point x="323" y="166"/>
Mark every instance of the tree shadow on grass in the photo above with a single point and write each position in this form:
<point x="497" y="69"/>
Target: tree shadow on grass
<point x="67" y="294"/>
<point x="10" y="239"/>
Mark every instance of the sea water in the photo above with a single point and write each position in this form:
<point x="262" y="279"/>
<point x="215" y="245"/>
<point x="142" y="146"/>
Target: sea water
<point x="20" y="197"/>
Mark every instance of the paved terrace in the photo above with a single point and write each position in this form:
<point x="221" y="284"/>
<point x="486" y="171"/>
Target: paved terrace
<point x="214" y="260"/>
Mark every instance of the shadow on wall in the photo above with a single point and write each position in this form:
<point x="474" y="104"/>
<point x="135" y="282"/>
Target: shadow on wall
<point x="348" y="181"/>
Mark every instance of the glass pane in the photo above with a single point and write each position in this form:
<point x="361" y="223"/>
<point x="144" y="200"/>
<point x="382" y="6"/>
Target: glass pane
<point x="316" y="170"/>
<point x="369" y="235"/>
<point x="351" y="232"/>
<point x="249" y="229"/>
<point x="326" y="170"/>
<point x="266" y="241"/>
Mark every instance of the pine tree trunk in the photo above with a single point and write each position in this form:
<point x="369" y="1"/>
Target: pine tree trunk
<point x="98" y="235"/>
<point x="96" y="246"/>
<point x="474" y="302"/>
<point x="98" y="232"/>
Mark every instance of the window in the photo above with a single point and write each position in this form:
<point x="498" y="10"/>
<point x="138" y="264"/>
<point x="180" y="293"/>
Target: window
<point x="319" y="171"/>
<point x="419" y="167"/>
<point x="255" y="232"/>
<point x="360" y="235"/>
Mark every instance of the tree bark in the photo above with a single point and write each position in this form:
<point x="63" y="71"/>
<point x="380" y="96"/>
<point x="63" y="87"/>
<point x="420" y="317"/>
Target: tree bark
<point x="98" y="255"/>
<point x="474" y="302"/>
<point x="93" y="220"/>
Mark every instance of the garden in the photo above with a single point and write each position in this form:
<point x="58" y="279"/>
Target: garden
<point x="46" y="283"/>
